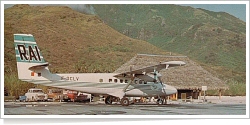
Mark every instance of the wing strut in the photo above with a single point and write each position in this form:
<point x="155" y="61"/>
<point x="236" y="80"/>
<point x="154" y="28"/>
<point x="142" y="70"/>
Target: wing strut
<point x="121" y="93"/>
<point x="131" y="80"/>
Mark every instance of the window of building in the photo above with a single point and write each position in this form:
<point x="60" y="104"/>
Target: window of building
<point x="126" y="81"/>
<point x="39" y="74"/>
<point x="121" y="80"/>
<point x="115" y="80"/>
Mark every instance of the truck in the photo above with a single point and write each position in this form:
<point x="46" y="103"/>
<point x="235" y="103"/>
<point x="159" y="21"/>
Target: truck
<point x="83" y="97"/>
<point x="22" y="98"/>
<point x="57" y="95"/>
<point x="75" y="96"/>
<point x="36" y="94"/>
<point x="71" y="95"/>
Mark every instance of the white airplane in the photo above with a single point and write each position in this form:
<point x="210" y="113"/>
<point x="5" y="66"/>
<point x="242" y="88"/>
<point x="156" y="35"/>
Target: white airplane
<point x="143" y="82"/>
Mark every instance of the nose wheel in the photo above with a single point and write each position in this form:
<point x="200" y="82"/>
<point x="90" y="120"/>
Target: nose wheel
<point x="160" y="101"/>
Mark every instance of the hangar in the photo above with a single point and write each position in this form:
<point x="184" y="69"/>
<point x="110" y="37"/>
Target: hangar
<point x="189" y="79"/>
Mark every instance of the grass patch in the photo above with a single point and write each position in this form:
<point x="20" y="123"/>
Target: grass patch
<point x="235" y="89"/>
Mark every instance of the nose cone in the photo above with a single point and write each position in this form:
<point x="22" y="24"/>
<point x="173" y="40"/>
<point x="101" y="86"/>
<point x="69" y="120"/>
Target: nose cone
<point x="169" y="90"/>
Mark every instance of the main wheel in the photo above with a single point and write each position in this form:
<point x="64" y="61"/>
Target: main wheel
<point x="125" y="101"/>
<point x="108" y="100"/>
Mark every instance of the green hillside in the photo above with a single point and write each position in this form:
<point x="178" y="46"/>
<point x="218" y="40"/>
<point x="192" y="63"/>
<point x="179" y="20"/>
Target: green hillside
<point x="70" y="41"/>
<point x="216" y="40"/>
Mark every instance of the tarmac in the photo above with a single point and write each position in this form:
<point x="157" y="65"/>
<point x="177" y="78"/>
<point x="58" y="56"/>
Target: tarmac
<point x="212" y="106"/>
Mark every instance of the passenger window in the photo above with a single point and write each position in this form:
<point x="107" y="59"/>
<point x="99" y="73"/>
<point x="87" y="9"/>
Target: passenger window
<point x="100" y="80"/>
<point x="110" y="80"/>
<point x="121" y="80"/>
<point x="115" y="80"/>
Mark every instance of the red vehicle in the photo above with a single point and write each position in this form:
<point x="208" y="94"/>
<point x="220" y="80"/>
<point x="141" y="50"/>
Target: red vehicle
<point x="55" y="94"/>
<point x="75" y="96"/>
<point x="83" y="97"/>
<point x="72" y="95"/>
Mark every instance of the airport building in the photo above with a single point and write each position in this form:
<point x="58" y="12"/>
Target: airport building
<point x="190" y="80"/>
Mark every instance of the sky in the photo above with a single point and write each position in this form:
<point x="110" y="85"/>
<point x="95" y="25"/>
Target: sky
<point x="237" y="10"/>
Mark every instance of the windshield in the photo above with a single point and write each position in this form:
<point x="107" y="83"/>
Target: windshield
<point x="37" y="91"/>
<point x="56" y="91"/>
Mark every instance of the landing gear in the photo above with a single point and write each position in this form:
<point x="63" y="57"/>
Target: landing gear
<point x="109" y="100"/>
<point x="160" y="101"/>
<point x="125" y="101"/>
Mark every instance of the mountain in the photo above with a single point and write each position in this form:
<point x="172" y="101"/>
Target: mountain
<point x="216" y="40"/>
<point x="69" y="40"/>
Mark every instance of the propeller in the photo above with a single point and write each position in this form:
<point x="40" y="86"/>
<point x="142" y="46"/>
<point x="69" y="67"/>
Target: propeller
<point x="157" y="77"/>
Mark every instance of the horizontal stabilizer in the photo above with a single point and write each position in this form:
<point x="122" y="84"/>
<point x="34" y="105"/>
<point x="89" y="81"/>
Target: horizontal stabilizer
<point x="40" y="66"/>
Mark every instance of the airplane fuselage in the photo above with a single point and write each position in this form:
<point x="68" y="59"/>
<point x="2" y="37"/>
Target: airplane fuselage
<point x="102" y="84"/>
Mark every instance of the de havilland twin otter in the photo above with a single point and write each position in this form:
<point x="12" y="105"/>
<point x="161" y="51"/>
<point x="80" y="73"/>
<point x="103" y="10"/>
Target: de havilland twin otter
<point x="143" y="82"/>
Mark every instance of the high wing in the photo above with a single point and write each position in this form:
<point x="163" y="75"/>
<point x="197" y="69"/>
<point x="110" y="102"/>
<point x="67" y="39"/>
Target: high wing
<point x="144" y="74"/>
<point x="149" y="69"/>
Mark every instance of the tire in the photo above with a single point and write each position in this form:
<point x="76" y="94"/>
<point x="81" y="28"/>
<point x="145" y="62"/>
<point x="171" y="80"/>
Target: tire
<point x="159" y="101"/>
<point x="108" y="100"/>
<point x="125" y="102"/>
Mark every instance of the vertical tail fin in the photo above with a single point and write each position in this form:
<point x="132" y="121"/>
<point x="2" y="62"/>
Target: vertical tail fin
<point x="30" y="62"/>
<point x="27" y="49"/>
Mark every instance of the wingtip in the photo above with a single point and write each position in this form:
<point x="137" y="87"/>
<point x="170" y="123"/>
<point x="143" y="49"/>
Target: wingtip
<point x="182" y="63"/>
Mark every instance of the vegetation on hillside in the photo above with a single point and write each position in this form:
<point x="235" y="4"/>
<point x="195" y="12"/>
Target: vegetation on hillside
<point x="216" y="40"/>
